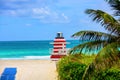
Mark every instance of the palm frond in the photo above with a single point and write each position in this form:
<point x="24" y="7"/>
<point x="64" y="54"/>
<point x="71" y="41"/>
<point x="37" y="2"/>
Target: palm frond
<point x="115" y="4"/>
<point x="108" y="55"/>
<point x="94" y="36"/>
<point x="88" y="47"/>
<point x="106" y="58"/>
<point x="106" y="20"/>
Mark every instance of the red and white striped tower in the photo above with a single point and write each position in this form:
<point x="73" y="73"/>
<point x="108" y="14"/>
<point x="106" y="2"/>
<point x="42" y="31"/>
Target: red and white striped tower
<point x="59" y="47"/>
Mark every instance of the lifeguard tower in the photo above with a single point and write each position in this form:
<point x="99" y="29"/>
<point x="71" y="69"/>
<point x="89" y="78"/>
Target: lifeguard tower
<point x="59" y="47"/>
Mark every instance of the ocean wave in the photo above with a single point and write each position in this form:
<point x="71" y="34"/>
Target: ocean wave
<point x="37" y="57"/>
<point x="28" y="58"/>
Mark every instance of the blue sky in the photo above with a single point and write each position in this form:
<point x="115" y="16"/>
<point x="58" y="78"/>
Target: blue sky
<point x="42" y="19"/>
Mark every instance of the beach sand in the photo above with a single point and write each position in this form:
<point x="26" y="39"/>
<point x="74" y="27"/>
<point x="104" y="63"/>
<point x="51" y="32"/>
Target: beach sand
<point x="31" y="69"/>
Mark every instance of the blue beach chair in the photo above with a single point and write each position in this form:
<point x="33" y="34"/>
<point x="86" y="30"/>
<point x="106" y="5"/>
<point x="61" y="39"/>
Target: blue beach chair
<point x="8" y="74"/>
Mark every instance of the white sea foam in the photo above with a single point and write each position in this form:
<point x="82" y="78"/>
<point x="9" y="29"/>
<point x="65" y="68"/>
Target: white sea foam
<point x="37" y="57"/>
<point x="28" y="58"/>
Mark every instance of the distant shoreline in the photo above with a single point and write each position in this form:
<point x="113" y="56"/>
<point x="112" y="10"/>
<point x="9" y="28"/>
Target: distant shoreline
<point x="29" y="58"/>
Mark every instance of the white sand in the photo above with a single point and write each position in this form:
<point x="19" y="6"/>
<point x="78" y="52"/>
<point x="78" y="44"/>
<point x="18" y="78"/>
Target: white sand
<point x="31" y="69"/>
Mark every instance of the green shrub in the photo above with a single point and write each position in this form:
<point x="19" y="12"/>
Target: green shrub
<point x="109" y="74"/>
<point x="70" y="70"/>
<point x="73" y="67"/>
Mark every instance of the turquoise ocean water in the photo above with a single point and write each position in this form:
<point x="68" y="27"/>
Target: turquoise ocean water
<point x="29" y="49"/>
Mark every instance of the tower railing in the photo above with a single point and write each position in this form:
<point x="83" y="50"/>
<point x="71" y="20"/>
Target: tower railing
<point x="60" y="51"/>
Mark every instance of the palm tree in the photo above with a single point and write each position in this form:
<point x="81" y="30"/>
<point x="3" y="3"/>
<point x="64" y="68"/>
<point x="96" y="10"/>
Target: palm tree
<point x="108" y="43"/>
<point x="115" y="4"/>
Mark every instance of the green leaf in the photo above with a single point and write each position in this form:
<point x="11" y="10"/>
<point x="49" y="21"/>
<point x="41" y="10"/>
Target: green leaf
<point x="106" y="58"/>
<point x="94" y="36"/>
<point x="106" y="20"/>
<point x="88" y="47"/>
<point x="115" y="4"/>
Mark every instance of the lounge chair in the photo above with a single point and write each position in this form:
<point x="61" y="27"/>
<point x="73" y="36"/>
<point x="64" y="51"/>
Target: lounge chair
<point x="8" y="74"/>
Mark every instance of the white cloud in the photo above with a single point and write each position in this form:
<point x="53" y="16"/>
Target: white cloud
<point x="33" y="9"/>
<point x="65" y="17"/>
<point x="9" y="12"/>
<point x="46" y="15"/>
<point x="28" y="24"/>
<point x="18" y="12"/>
<point x="12" y="12"/>
<point x="15" y="0"/>
<point x="38" y="11"/>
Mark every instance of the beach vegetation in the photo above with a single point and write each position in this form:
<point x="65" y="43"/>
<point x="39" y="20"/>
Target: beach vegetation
<point x="106" y="43"/>
<point x="72" y="67"/>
